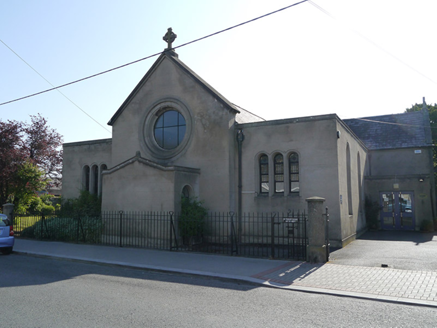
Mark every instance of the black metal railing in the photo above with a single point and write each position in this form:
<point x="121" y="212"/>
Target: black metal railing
<point x="267" y="235"/>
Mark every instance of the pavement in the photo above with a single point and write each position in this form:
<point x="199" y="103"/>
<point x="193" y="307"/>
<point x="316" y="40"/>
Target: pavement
<point x="413" y="287"/>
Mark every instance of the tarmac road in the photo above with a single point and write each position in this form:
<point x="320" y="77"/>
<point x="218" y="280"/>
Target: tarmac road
<point x="405" y="250"/>
<point x="49" y="292"/>
<point x="356" y="274"/>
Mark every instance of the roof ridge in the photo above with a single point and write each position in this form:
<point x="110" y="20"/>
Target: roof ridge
<point x="385" y="115"/>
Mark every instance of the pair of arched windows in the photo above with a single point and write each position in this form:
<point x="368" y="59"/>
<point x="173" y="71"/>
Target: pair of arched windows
<point x="282" y="178"/>
<point x="92" y="178"/>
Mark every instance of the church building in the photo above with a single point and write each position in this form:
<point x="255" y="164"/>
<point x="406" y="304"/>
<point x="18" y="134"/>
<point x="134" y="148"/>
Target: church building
<point x="176" y="135"/>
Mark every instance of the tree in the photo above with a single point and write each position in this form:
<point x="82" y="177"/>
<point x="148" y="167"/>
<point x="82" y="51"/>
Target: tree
<point x="30" y="159"/>
<point x="43" y="146"/>
<point x="29" y="178"/>
<point x="12" y="155"/>
<point x="432" y="109"/>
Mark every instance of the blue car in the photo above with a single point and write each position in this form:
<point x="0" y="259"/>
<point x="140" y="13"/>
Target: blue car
<point x="6" y="235"/>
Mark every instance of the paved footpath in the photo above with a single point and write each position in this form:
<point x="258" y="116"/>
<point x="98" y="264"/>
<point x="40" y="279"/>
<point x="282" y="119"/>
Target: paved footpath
<point x="376" y="283"/>
<point x="404" y="286"/>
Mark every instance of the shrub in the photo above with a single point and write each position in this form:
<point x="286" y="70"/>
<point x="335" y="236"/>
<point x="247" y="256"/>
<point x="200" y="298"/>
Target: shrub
<point x="86" y="229"/>
<point x="86" y="204"/>
<point x="42" y="205"/>
<point x="47" y="210"/>
<point x="35" y="205"/>
<point x="28" y="232"/>
<point x="192" y="218"/>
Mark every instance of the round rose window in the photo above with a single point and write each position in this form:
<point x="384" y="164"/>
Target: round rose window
<point x="170" y="129"/>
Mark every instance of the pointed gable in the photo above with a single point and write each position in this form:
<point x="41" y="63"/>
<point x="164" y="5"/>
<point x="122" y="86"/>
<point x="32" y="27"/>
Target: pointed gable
<point x="172" y="56"/>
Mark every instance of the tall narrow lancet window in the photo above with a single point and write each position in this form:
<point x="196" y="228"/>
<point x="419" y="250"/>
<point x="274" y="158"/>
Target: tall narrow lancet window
<point x="279" y="173"/>
<point x="349" y="179"/>
<point x="95" y="179"/>
<point x="264" y="174"/>
<point x="293" y="161"/>
<point x="86" y="178"/>
<point x="360" y="186"/>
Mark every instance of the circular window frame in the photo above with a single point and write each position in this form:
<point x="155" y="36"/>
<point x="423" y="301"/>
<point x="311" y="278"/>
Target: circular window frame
<point x="148" y="128"/>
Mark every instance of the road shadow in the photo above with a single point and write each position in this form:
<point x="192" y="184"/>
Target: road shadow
<point x="21" y="270"/>
<point x="412" y="236"/>
<point x="291" y="273"/>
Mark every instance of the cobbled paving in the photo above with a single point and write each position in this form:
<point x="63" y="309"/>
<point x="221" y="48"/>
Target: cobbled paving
<point x="393" y="283"/>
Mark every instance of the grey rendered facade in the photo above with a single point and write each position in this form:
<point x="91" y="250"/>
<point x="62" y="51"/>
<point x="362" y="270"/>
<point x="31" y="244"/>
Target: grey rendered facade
<point x="400" y="161"/>
<point x="283" y="162"/>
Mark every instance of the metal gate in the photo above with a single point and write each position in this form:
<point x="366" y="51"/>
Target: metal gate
<point x="289" y="236"/>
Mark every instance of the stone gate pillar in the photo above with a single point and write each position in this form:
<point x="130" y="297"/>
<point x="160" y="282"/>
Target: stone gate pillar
<point x="8" y="210"/>
<point x="316" y="230"/>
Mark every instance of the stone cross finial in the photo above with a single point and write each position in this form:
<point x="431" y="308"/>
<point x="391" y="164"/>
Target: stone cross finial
<point x="169" y="37"/>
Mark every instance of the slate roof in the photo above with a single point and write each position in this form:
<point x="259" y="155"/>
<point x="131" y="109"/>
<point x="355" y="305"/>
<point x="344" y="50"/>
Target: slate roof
<point x="404" y="130"/>
<point x="244" y="116"/>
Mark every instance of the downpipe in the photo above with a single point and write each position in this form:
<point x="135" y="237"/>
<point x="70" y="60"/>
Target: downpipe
<point x="240" y="139"/>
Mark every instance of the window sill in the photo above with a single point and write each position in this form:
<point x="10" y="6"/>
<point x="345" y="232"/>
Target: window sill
<point x="262" y="195"/>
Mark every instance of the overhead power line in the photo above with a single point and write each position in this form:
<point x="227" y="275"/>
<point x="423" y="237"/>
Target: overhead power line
<point x="55" y="87"/>
<point x="241" y="24"/>
<point x="154" y="55"/>
<point x="373" y="43"/>
<point x="80" y="80"/>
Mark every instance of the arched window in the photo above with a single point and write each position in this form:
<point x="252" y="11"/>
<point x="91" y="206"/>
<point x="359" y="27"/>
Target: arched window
<point x="186" y="191"/>
<point x="360" y="186"/>
<point x="293" y="161"/>
<point x="349" y="179"/>
<point x="86" y="178"/>
<point x="264" y="174"/>
<point x="279" y="173"/>
<point x="94" y="179"/>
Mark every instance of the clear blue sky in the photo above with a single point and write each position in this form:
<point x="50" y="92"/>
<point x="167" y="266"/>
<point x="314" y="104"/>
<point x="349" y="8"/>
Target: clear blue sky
<point x="298" y="62"/>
